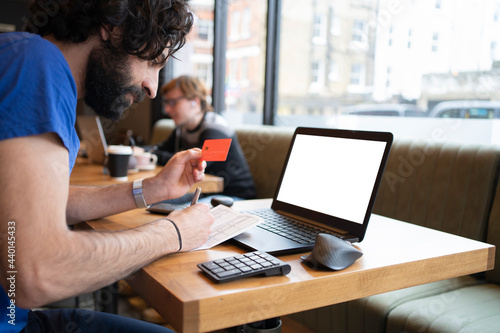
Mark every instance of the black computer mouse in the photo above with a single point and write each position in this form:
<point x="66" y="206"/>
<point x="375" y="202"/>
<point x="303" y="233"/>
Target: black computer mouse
<point x="222" y="200"/>
<point x="332" y="252"/>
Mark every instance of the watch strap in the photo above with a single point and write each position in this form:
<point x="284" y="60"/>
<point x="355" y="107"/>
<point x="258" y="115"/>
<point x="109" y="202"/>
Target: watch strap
<point x="138" y="194"/>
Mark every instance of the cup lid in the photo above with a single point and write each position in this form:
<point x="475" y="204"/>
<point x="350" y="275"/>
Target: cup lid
<point x="119" y="150"/>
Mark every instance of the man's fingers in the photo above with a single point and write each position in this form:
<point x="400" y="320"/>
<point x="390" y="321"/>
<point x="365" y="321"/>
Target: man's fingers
<point x="202" y="165"/>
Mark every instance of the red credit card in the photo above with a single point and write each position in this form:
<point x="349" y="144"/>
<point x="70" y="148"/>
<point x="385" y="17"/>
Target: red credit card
<point x="215" y="149"/>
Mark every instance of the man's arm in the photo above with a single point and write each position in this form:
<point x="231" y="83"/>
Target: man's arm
<point x="85" y="202"/>
<point x="174" y="180"/>
<point x="53" y="262"/>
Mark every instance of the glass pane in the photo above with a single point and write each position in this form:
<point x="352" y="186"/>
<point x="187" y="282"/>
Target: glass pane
<point x="245" y="61"/>
<point x="245" y="56"/>
<point x="376" y="64"/>
<point x="196" y="57"/>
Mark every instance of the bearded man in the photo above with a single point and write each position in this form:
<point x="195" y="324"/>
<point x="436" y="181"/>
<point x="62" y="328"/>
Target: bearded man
<point x="108" y="53"/>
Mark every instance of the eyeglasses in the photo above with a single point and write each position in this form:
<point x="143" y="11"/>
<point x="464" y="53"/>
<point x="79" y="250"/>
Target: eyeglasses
<point x="172" y="101"/>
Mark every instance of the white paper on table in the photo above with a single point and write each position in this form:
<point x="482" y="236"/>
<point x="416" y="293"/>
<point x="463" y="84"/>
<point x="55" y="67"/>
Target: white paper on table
<point x="228" y="224"/>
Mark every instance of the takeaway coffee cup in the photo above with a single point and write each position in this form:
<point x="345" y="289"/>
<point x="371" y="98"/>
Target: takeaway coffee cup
<point x="118" y="157"/>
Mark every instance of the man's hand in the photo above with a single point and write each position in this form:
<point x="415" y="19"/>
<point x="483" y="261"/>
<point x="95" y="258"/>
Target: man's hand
<point x="194" y="225"/>
<point x="181" y="172"/>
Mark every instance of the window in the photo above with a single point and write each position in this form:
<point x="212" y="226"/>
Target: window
<point x="204" y="72"/>
<point x="333" y="75"/>
<point x="452" y="113"/>
<point x="319" y="29"/>
<point x="403" y="60"/>
<point x="317" y="72"/>
<point x="205" y="30"/>
<point x="334" y="54"/>
<point x="244" y="71"/>
<point x="357" y="72"/>
<point x="480" y="113"/>
<point x="358" y="31"/>
<point x="234" y="30"/>
<point x="246" y="23"/>
<point x="435" y="41"/>
<point x="196" y="57"/>
<point x="335" y="24"/>
<point x="245" y="59"/>
<point x="233" y="73"/>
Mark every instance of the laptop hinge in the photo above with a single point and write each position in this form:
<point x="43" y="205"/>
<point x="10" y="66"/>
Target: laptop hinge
<point x="320" y="225"/>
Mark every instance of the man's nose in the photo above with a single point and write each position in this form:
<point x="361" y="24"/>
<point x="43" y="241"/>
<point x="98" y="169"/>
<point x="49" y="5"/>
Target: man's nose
<point x="150" y="84"/>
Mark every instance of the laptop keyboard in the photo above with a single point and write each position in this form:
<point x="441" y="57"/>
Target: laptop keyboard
<point x="288" y="227"/>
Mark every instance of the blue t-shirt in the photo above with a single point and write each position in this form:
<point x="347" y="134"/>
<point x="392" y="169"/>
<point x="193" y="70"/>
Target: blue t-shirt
<point x="37" y="95"/>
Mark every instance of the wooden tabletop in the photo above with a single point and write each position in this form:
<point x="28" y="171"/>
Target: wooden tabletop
<point x="396" y="255"/>
<point x="85" y="173"/>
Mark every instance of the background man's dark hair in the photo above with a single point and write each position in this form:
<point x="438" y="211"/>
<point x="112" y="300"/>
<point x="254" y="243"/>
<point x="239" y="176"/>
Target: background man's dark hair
<point x="149" y="26"/>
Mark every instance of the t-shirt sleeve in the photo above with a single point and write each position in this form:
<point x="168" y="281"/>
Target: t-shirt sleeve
<point x="38" y="94"/>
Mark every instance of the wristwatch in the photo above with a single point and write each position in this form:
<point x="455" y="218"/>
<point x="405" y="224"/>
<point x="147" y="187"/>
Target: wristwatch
<point x="138" y="194"/>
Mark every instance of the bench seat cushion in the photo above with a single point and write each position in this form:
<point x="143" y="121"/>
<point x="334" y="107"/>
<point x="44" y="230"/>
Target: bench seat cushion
<point x="470" y="309"/>
<point x="369" y="314"/>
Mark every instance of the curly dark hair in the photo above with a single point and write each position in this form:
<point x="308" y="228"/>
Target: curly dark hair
<point x="148" y="26"/>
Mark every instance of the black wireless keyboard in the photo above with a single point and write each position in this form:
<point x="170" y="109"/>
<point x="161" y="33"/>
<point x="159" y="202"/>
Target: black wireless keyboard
<point x="244" y="265"/>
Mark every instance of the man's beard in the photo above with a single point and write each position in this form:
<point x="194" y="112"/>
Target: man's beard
<point x="107" y="83"/>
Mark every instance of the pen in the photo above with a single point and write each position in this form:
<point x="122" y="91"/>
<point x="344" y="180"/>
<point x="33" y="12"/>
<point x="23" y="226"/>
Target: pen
<point x="196" y="196"/>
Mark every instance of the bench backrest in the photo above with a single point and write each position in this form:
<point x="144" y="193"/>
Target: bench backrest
<point x="265" y="148"/>
<point x="448" y="187"/>
<point x="161" y="131"/>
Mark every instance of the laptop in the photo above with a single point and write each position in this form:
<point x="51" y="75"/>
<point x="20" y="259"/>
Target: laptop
<point x="328" y="183"/>
<point x="92" y="135"/>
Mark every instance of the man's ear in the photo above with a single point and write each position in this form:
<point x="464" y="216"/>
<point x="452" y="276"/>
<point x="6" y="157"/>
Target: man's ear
<point x="111" y="34"/>
<point x="105" y="31"/>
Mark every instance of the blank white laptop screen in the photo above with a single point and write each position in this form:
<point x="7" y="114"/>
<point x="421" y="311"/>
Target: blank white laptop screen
<point x="333" y="176"/>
